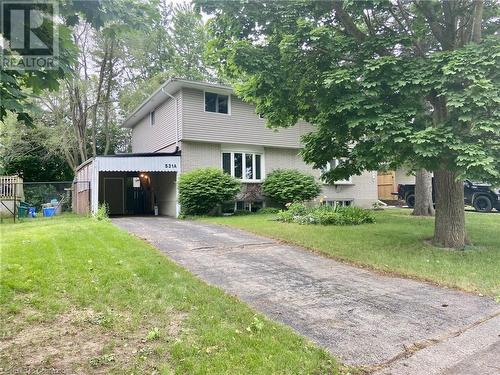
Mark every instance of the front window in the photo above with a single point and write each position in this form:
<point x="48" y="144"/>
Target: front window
<point x="216" y="103"/>
<point x="243" y="166"/>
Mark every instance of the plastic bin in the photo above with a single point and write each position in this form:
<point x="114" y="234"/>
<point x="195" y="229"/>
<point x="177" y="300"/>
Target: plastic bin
<point x="31" y="212"/>
<point x="49" y="211"/>
<point x="22" y="211"/>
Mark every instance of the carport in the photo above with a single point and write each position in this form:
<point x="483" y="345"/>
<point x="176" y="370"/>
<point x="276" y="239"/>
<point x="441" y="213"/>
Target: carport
<point x="132" y="184"/>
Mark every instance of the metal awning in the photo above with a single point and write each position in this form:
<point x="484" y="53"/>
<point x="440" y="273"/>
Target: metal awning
<point x="131" y="163"/>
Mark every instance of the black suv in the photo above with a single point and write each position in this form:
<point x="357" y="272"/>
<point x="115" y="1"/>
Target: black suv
<point x="478" y="195"/>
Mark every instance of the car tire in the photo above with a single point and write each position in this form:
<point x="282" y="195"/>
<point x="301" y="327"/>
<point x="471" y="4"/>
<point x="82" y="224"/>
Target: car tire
<point x="482" y="203"/>
<point x="410" y="200"/>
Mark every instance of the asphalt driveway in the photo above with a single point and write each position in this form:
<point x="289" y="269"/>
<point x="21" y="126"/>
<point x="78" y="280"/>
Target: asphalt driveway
<point x="390" y="324"/>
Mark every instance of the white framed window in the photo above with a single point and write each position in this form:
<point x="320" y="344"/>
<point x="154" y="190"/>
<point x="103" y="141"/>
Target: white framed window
<point x="217" y="103"/>
<point x="332" y="164"/>
<point x="246" y="166"/>
<point x="152" y="115"/>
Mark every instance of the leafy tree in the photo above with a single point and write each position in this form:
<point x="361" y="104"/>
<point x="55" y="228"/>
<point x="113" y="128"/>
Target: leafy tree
<point x="384" y="82"/>
<point x="26" y="151"/>
<point x="172" y="44"/>
<point x="202" y="190"/>
<point x="290" y="186"/>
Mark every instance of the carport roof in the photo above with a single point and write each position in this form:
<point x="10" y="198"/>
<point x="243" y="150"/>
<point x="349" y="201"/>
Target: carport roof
<point x="145" y="162"/>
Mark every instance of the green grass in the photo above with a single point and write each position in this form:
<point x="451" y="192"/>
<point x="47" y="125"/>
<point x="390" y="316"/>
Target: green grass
<point x="396" y="244"/>
<point x="71" y="281"/>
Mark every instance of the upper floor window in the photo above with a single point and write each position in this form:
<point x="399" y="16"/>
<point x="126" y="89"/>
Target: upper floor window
<point x="244" y="166"/>
<point x="332" y="164"/>
<point x="216" y="103"/>
<point x="152" y="118"/>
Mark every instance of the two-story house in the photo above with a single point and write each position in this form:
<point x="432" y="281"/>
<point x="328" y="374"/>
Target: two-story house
<point x="186" y="125"/>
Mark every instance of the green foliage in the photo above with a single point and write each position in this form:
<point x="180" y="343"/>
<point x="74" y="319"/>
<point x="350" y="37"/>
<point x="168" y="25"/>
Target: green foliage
<point x="26" y="151"/>
<point x="325" y="215"/>
<point x="36" y="195"/>
<point x="402" y="86"/>
<point x="268" y="211"/>
<point x="171" y="43"/>
<point x="102" y="213"/>
<point x="242" y="212"/>
<point x="202" y="190"/>
<point x="153" y="334"/>
<point x="290" y="185"/>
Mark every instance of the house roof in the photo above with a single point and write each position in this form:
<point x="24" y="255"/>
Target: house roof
<point x="159" y="96"/>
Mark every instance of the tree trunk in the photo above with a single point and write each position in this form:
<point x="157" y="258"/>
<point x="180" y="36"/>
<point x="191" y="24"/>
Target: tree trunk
<point x="449" y="229"/>
<point x="424" y="206"/>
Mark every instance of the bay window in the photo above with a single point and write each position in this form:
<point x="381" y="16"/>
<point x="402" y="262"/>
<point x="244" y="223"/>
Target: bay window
<point x="243" y="165"/>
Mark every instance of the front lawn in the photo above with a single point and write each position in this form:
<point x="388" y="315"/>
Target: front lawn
<point x="396" y="244"/>
<point x="79" y="295"/>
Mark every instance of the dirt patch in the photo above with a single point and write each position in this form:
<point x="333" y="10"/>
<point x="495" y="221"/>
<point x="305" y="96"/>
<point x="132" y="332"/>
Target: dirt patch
<point x="77" y="342"/>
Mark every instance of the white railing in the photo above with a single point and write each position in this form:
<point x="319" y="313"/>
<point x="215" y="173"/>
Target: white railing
<point x="11" y="187"/>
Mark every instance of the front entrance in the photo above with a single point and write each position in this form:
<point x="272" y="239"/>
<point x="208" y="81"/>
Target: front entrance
<point x="138" y="193"/>
<point x="113" y="195"/>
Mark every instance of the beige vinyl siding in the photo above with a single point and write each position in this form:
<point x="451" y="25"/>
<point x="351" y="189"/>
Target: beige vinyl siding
<point x="402" y="177"/>
<point x="164" y="186"/>
<point x="241" y="126"/>
<point x="363" y="188"/>
<point x="200" y="155"/>
<point x="158" y="138"/>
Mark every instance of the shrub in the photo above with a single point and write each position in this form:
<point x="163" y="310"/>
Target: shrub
<point x="202" y="190"/>
<point x="289" y="186"/>
<point x="102" y="213"/>
<point x="326" y="215"/>
<point x="268" y="211"/>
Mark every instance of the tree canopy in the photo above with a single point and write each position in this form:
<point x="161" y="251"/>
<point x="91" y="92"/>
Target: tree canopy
<point x="385" y="83"/>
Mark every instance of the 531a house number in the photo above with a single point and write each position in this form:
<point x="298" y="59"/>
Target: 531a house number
<point x="169" y="165"/>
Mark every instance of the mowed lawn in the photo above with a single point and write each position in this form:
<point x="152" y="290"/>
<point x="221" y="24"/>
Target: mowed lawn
<point x="396" y="243"/>
<point x="80" y="295"/>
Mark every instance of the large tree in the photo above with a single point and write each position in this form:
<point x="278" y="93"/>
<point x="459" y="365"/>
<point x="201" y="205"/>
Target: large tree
<point x="383" y="82"/>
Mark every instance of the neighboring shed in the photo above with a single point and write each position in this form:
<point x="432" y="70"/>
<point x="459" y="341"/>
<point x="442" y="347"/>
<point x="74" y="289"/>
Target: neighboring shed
<point x="130" y="184"/>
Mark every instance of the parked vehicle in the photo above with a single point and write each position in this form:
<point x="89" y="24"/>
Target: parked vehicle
<point x="481" y="196"/>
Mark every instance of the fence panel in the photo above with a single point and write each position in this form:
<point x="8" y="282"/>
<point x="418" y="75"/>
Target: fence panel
<point x="20" y="199"/>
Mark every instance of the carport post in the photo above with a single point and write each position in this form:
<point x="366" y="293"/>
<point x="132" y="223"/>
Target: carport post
<point x="177" y="205"/>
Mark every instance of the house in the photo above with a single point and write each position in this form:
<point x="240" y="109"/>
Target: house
<point x="186" y="125"/>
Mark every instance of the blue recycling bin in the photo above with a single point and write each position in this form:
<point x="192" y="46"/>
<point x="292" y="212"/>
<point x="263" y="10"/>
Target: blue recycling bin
<point x="31" y="212"/>
<point x="49" y="211"/>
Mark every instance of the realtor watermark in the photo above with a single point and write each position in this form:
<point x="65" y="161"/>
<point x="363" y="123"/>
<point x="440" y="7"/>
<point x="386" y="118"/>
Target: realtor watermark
<point x="30" y="37"/>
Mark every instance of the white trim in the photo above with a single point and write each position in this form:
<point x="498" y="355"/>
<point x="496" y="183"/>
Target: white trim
<point x="123" y="190"/>
<point x="229" y="104"/>
<point x="243" y="165"/>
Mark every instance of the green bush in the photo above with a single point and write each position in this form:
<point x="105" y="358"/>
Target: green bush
<point x="289" y="186"/>
<point x="326" y="215"/>
<point x="102" y="213"/>
<point x="268" y="211"/>
<point x="202" y="190"/>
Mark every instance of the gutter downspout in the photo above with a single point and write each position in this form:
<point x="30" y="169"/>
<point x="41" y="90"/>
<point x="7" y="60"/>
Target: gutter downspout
<point x="176" y="118"/>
